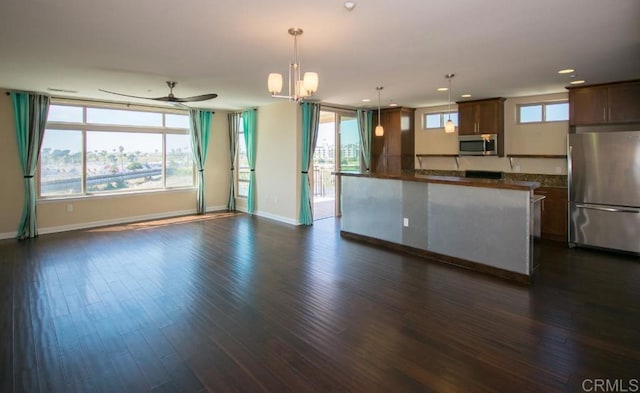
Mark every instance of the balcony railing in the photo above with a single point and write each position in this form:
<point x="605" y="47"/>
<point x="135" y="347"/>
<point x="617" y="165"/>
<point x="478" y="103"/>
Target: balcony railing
<point x="323" y="181"/>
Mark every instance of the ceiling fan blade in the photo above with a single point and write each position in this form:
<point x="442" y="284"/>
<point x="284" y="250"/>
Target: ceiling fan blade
<point x="128" y="95"/>
<point x="169" y="98"/>
<point x="203" y="97"/>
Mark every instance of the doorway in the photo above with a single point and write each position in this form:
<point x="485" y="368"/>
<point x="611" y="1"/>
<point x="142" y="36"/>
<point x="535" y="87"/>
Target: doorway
<point x="337" y="149"/>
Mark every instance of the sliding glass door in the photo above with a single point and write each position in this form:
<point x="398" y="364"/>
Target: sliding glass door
<point x="337" y="149"/>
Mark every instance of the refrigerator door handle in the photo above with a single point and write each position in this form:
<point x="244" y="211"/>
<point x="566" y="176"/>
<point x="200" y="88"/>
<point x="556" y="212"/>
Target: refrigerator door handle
<point x="609" y="209"/>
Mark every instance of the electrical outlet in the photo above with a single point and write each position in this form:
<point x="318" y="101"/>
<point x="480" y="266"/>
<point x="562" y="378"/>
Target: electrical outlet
<point x="558" y="170"/>
<point x="405" y="222"/>
<point x="69" y="208"/>
<point x="516" y="168"/>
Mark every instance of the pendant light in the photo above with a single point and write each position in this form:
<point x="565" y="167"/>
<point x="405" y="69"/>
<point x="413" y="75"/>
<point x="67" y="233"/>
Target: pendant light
<point x="379" y="129"/>
<point x="449" y="127"/>
<point x="300" y="85"/>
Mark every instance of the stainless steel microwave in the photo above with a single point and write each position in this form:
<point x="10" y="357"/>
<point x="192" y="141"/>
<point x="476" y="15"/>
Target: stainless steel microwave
<point x="478" y="145"/>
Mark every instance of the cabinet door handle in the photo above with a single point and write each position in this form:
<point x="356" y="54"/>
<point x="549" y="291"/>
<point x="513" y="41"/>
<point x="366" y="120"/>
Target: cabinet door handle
<point x="604" y="114"/>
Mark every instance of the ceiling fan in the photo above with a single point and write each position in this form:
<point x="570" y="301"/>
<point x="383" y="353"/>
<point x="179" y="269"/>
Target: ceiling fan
<point x="170" y="97"/>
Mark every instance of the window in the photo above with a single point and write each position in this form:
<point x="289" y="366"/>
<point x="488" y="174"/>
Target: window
<point x="242" y="164"/>
<point x="556" y="112"/>
<point x="179" y="167"/>
<point x="90" y="150"/>
<point x="61" y="163"/>
<point x="438" y="119"/>
<point x="122" y="161"/>
<point x="350" y="155"/>
<point x="543" y="112"/>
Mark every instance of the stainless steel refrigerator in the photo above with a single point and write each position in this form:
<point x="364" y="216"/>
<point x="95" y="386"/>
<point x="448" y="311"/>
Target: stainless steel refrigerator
<point x="604" y="190"/>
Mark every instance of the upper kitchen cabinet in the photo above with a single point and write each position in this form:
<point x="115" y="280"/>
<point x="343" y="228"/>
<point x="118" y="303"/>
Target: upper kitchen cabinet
<point x="612" y="103"/>
<point x="481" y="117"/>
<point x="395" y="150"/>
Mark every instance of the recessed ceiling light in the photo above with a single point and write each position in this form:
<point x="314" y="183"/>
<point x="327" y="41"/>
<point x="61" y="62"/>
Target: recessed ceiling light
<point x="566" y="71"/>
<point x="393" y="104"/>
<point x="366" y="100"/>
<point x="350" y="5"/>
<point x="443" y="88"/>
<point x="465" y="95"/>
<point x="578" y="82"/>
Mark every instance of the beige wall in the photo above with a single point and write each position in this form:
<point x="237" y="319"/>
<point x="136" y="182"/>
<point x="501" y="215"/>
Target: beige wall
<point x="277" y="162"/>
<point x="540" y="139"/>
<point x="546" y="138"/>
<point x="53" y="215"/>
<point x="434" y="141"/>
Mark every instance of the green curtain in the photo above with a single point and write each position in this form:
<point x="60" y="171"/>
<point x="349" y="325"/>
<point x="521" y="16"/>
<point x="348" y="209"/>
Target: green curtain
<point x="249" y="124"/>
<point x="310" y="122"/>
<point x="30" y="114"/>
<point x="234" y="128"/>
<point x="200" y="127"/>
<point x="365" y="126"/>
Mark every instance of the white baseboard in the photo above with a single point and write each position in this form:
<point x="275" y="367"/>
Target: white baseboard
<point x="117" y="221"/>
<point x="276" y="217"/>
<point x="125" y="220"/>
<point x="270" y="216"/>
<point x="8" y="235"/>
<point x="211" y="209"/>
<point x="144" y="217"/>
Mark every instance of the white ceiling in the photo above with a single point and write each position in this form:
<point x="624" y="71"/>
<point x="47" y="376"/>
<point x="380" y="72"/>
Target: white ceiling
<point x="495" y="47"/>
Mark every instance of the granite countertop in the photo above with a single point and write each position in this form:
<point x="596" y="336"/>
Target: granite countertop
<point x="453" y="180"/>
<point x="551" y="181"/>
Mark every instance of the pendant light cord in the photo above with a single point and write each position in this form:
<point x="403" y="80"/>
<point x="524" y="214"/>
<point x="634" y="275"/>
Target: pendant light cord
<point x="449" y="98"/>
<point x="449" y="76"/>
<point x="379" y="89"/>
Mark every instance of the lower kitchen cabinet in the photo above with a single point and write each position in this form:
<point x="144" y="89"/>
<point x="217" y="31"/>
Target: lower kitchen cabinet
<point x="553" y="213"/>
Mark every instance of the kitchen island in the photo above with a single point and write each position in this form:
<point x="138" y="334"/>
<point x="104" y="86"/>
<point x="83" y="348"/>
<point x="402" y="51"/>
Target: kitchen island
<point x="481" y="224"/>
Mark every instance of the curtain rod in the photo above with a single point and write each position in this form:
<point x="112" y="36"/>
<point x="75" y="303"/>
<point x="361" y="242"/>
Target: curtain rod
<point x="8" y="93"/>
<point x="64" y="99"/>
<point x="328" y="106"/>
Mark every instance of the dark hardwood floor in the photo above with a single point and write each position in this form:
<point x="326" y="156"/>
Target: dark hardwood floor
<point x="234" y="303"/>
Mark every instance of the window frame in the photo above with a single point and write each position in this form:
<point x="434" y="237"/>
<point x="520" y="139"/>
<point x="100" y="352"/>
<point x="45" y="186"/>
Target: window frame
<point x="237" y="163"/>
<point x="544" y="105"/>
<point x="444" y="116"/>
<point x="84" y="128"/>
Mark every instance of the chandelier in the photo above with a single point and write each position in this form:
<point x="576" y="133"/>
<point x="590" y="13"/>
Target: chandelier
<point x="300" y="85"/>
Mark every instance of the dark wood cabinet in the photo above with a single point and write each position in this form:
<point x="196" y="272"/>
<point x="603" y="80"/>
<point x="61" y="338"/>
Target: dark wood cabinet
<point x="395" y="150"/>
<point x="554" y="215"/>
<point x="481" y="116"/>
<point x="613" y="103"/>
<point x="624" y="103"/>
<point x="466" y="119"/>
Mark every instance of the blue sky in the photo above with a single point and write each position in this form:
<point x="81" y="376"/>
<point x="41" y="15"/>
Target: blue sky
<point x="348" y="136"/>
